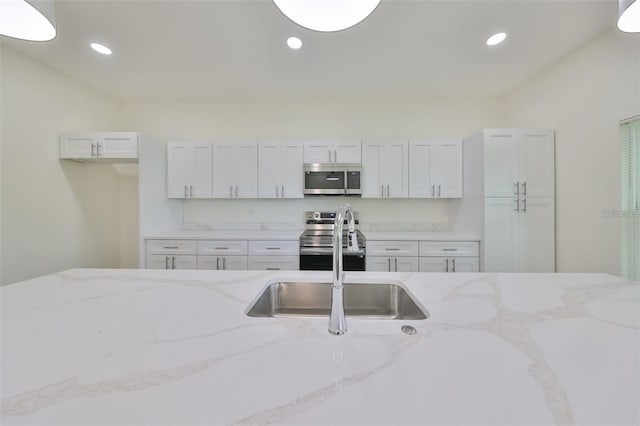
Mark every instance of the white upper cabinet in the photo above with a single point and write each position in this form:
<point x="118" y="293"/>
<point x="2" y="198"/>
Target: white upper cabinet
<point x="280" y="173"/>
<point x="100" y="146"/>
<point x="385" y="169"/>
<point x="435" y="168"/>
<point x="519" y="162"/>
<point x="332" y="152"/>
<point x="189" y="170"/>
<point x="235" y="170"/>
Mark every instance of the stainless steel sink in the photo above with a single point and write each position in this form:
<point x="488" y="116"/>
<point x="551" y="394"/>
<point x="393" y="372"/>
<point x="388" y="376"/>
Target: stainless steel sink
<point x="373" y="300"/>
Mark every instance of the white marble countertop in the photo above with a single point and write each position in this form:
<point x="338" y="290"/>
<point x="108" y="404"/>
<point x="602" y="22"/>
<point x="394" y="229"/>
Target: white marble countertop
<point x="129" y="347"/>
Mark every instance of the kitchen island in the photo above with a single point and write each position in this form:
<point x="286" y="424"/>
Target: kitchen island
<point x="97" y="346"/>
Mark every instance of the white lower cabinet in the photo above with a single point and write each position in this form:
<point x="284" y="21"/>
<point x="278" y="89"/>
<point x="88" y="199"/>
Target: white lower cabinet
<point x="274" y="255"/>
<point x="274" y="263"/>
<point x="222" y="263"/>
<point x="449" y="264"/>
<point x="391" y="264"/>
<point x="449" y="256"/>
<point x="179" y="261"/>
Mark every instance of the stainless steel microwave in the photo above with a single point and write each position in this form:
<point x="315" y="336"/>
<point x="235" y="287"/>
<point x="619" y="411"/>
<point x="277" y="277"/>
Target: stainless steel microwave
<point x="332" y="179"/>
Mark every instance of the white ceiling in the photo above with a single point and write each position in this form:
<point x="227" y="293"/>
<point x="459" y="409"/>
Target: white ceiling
<point x="181" y="49"/>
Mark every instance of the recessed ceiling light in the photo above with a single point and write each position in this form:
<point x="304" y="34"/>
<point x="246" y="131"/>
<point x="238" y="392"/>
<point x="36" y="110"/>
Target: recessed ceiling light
<point x="100" y="48"/>
<point x="496" y="39"/>
<point x="294" y="43"/>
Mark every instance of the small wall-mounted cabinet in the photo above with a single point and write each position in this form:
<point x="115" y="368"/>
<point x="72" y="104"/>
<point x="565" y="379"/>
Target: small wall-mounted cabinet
<point x="385" y="169"/>
<point x="435" y="169"/>
<point x="235" y="170"/>
<point x="111" y="147"/>
<point x="189" y="168"/>
<point x="332" y="152"/>
<point x="280" y="170"/>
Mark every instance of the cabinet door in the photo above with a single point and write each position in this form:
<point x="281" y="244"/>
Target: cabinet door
<point x="291" y="174"/>
<point x="537" y="166"/>
<point x="537" y="235"/>
<point x="77" y="146"/>
<point x="158" y="261"/>
<point x="244" y="170"/>
<point x="395" y="170"/>
<point x="200" y="183"/>
<point x="223" y="185"/>
<point x="500" y="235"/>
<point x="372" y="159"/>
<point x="446" y="169"/>
<point x="184" y="262"/>
<point x="179" y="161"/>
<point x="433" y="264"/>
<point x="501" y="161"/>
<point x="268" y="169"/>
<point x="404" y="264"/>
<point x="209" y="262"/>
<point x="233" y="263"/>
<point x="347" y="152"/>
<point x="464" y="264"/>
<point x="318" y="152"/>
<point x="378" y="264"/>
<point x="420" y="160"/>
<point x="117" y="145"/>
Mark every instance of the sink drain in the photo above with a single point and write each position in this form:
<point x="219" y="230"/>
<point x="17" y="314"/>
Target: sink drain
<point x="408" y="329"/>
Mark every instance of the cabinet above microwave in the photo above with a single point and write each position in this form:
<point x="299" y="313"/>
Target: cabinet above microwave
<point x="332" y="179"/>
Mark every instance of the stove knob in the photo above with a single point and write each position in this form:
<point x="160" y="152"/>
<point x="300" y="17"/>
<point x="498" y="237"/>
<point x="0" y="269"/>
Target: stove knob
<point x="316" y="215"/>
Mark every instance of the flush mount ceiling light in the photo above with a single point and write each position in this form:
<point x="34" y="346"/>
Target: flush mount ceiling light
<point x="496" y="39"/>
<point x="294" y="43"/>
<point x="100" y="48"/>
<point x="629" y="16"/>
<point x="31" y="20"/>
<point x="326" y="15"/>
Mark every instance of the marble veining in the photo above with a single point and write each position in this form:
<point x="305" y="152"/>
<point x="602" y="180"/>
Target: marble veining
<point x="132" y="346"/>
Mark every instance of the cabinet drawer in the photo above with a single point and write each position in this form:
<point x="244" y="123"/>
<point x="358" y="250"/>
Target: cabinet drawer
<point x="274" y="248"/>
<point x="164" y="261"/>
<point x="274" y="263"/>
<point x="392" y="248"/>
<point x="449" y="264"/>
<point x="171" y="247"/>
<point x="449" y="248"/>
<point x="222" y="247"/>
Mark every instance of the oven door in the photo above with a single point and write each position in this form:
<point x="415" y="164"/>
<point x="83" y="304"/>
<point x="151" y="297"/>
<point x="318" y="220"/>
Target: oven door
<point x="324" y="262"/>
<point x="324" y="182"/>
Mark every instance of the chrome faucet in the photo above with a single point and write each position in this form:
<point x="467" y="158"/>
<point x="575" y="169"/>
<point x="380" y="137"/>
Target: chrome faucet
<point x="337" y="320"/>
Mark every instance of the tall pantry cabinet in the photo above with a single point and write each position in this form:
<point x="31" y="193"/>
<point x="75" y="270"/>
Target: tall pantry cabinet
<point x="517" y="191"/>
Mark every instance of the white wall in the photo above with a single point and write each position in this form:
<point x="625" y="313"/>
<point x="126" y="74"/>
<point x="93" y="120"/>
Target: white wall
<point x="55" y="214"/>
<point x="302" y="119"/>
<point x="583" y="97"/>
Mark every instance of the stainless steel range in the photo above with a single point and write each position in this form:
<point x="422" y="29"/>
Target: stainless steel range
<point x="316" y="244"/>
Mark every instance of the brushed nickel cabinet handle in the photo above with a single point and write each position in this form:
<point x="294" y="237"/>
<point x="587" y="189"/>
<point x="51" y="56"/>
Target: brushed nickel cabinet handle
<point x="236" y="191"/>
<point x="98" y="146"/>
<point x="93" y="148"/>
<point x="166" y="262"/>
<point x="217" y="263"/>
<point x="224" y="263"/>
<point x="517" y="208"/>
<point x="329" y="149"/>
<point x="449" y="249"/>
<point x="392" y="248"/>
<point x="439" y="190"/>
<point x="396" y="262"/>
<point x="517" y="190"/>
<point x="190" y="191"/>
<point x="277" y="189"/>
<point x="171" y="247"/>
<point x="387" y="190"/>
<point x="433" y="190"/>
<point x="524" y="205"/>
<point x="446" y="268"/>
<point x="230" y="191"/>
<point x="186" y="194"/>
<point x="524" y="188"/>
<point x="335" y="156"/>
<point x="273" y="269"/>
<point x="173" y="262"/>
<point x="382" y="190"/>
<point x="282" y="192"/>
<point x="389" y="267"/>
<point x="454" y="264"/>
<point x="273" y="248"/>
